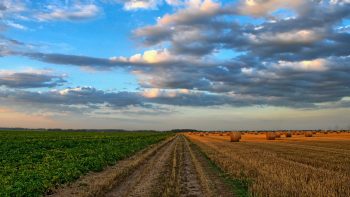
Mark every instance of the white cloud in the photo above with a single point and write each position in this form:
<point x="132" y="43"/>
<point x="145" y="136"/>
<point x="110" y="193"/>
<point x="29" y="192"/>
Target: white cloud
<point x="298" y="36"/>
<point x="150" y="56"/>
<point x="194" y="8"/>
<point x="174" y="2"/>
<point x="15" y="25"/>
<point x="266" y="7"/>
<point x="141" y="4"/>
<point x="310" y="65"/>
<point x="339" y="1"/>
<point x="156" y="92"/>
<point x="77" y="12"/>
<point x="247" y="71"/>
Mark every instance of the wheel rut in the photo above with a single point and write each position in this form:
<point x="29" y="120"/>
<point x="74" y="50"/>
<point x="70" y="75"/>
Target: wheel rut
<point x="176" y="169"/>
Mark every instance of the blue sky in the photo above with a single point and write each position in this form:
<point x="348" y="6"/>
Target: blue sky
<point x="162" y="64"/>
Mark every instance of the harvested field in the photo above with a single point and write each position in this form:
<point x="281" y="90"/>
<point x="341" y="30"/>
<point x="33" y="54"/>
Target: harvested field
<point x="293" y="166"/>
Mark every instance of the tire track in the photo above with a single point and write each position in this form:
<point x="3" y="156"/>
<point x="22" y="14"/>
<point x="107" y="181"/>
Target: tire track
<point x="144" y="181"/>
<point x="175" y="170"/>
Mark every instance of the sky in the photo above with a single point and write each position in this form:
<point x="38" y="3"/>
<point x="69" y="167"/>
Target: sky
<point x="175" y="64"/>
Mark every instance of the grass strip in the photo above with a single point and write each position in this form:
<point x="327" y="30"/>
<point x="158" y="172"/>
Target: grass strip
<point x="238" y="186"/>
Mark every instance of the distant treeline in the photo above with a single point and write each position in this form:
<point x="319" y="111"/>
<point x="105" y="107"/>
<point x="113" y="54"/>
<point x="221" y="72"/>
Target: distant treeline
<point x="75" y="130"/>
<point x="173" y="130"/>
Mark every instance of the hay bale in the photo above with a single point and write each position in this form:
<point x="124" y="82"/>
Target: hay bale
<point x="308" y="134"/>
<point x="277" y="135"/>
<point x="201" y="135"/>
<point x="270" y="136"/>
<point x="288" y="134"/>
<point x="235" y="136"/>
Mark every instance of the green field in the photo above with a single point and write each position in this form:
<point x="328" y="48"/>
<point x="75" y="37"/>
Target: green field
<point x="34" y="162"/>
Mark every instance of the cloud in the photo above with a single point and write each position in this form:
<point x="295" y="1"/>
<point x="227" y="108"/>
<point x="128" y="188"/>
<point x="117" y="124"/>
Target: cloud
<point x="299" y="61"/>
<point x="76" y="12"/>
<point x="200" y="32"/>
<point x="15" y="25"/>
<point x="174" y="2"/>
<point x="290" y="37"/>
<point x="75" y="60"/>
<point x="71" y="100"/>
<point x="33" y="79"/>
<point x="141" y="4"/>
<point x="183" y="28"/>
<point x="148" y="60"/>
<point x="156" y="93"/>
<point x="312" y="65"/>
<point x="265" y="7"/>
<point x="13" y="12"/>
<point x="132" y="5"/>
<point x="149" y="56"/>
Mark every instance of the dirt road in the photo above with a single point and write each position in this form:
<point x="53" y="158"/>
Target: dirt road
<point x="176" y="169"/>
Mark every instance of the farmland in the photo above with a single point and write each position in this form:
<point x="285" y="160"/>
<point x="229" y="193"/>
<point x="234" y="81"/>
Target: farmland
<point x="186" y="164"/>
<point x="174" y="167"/>
<point x="295" y="166"/>
<point x="34" y="162"/>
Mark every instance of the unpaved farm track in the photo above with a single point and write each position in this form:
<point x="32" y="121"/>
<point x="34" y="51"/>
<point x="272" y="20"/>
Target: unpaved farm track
<point x="173" y="168"/>
<point x="177" y="169"/>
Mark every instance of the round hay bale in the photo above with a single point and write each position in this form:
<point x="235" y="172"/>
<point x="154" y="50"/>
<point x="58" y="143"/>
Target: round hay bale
<point x="288" y="134"/>
<point x="277" y="135"/>
<point x="201" y="135"/>
<point x="308" y="134"/>
<point x="270" y="136"/>
<point x="235" y="136"/>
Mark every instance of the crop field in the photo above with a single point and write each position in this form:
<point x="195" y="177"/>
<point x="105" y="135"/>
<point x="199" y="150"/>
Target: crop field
<point x="109" y="164"/>
<point x="35" y="162"/>
<point x="287" y="166"/>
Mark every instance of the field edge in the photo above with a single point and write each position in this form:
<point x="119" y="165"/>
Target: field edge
<point x="238" y="187"/>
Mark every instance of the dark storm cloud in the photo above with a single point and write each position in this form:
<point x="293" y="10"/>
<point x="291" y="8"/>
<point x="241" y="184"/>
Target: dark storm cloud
<point x="30" y="80"/>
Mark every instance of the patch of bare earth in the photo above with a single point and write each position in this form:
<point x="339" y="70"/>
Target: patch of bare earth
<point x="172" y="168"/>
